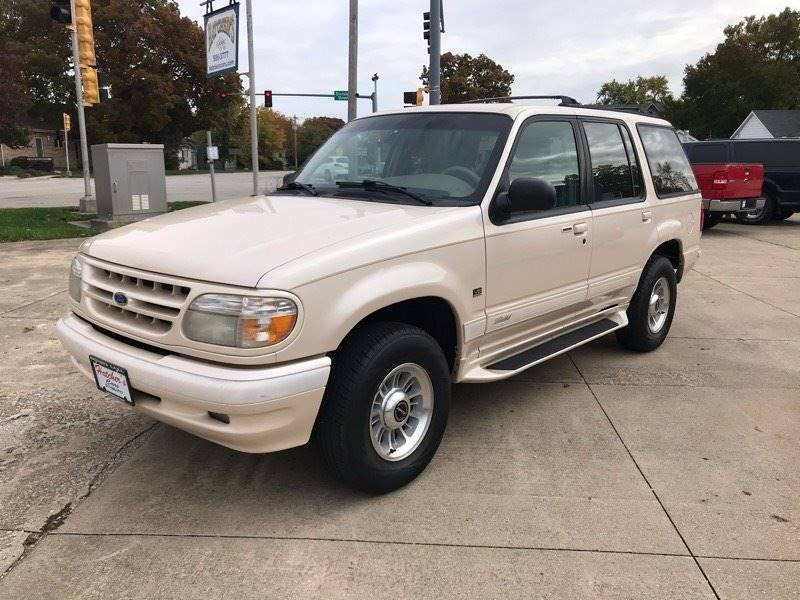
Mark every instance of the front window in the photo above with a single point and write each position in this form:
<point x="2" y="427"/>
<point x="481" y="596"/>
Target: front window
<point x="445" y="158"/>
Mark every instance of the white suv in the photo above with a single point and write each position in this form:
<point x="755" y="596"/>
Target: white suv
<point x="491" y="238"/>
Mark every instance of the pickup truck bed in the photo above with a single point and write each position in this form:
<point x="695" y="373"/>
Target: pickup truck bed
<point x="728" y="188"/>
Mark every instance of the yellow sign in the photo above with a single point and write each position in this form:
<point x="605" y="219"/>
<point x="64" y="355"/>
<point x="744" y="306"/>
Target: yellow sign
<point x="67" y="122"/>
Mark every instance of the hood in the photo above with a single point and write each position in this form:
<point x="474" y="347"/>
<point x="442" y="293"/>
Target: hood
<point x="235" y="242"/>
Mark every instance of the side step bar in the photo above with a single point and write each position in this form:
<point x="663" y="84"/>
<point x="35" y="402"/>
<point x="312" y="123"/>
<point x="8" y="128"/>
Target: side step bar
<point x="533" y="355"/>
<point x="554" y="346"/>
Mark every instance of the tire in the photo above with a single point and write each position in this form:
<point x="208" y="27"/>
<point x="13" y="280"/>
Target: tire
<point x="346" y="426"/>
<point x="762" y="216"/>
<point x="641" y="335"/>
<point x="783" y="214"/>
<point x="711" y="219"/>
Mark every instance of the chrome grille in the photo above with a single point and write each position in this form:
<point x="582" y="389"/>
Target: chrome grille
<point x="152" y="307"/>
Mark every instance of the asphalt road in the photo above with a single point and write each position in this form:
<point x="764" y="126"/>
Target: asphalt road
<point x="600" y="474"/>
<point x="60" y="191"/>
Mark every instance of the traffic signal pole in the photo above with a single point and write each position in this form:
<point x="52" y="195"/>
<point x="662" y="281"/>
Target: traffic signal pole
<point x="435" y="74"/>
<point x="251" y="75"/>
<point x="87" y="203"/>
<point x="352" y="62"/>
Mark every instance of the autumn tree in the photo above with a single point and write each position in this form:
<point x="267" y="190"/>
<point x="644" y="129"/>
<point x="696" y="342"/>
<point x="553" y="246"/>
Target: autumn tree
<point x="471" y="78"/>
<point x="272" y="127"/>
<point x="641" y="90"/>
<point x="757" y="66"/>
<point x="314" y="132"/>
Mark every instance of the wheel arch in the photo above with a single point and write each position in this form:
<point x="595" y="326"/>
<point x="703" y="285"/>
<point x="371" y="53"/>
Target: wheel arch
<point x="672" y="250"/>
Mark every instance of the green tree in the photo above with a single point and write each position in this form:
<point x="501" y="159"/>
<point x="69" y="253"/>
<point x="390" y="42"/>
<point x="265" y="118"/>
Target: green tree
<point x="471" y="78"/>
<point x="14" y="103"/>
<point x="313" y="133"/>
<point x="641" y="90"/>
<point x="757" y="66"/>
<point x="271" y="138"/>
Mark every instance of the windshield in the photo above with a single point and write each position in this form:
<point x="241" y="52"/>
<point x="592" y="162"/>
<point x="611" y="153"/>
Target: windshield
<point x="446" y="158"/>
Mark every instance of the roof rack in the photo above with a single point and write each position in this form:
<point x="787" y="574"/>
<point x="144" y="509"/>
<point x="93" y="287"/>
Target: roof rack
<point x="565" y="100"/>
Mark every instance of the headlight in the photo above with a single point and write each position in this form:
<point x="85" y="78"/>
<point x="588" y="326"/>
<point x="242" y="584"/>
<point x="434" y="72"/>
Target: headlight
<point x="75" y="275"/>
<point x="239" y="321"/>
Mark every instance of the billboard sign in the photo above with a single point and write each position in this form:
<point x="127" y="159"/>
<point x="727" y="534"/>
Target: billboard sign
<point x="222" y="41"/>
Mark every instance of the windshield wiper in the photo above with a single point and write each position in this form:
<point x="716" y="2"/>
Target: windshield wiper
<point x="296" y="185"/>
<point x="382" y="186"/>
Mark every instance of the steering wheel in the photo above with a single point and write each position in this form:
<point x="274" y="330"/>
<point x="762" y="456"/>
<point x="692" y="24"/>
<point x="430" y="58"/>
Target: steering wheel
<point x="464" y="174"/>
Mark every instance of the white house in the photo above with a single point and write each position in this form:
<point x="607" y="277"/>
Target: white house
<point x="767" y="124"/>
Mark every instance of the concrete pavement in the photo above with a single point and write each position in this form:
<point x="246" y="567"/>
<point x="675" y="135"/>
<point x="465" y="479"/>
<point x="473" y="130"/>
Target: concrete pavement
<point x="61" y="191"/>
<point x="600" y="474"/>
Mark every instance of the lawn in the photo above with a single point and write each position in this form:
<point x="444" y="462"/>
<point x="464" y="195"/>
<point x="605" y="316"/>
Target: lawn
<point x="21" y="224"/>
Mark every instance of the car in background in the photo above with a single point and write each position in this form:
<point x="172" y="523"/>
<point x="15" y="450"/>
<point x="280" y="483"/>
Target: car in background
<point x="728" y="188"/>
<point x="781" y="160"/>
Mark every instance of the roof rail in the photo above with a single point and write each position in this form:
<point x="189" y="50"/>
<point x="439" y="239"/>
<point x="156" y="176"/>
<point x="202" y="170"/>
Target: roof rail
<point x="565" y="100"/>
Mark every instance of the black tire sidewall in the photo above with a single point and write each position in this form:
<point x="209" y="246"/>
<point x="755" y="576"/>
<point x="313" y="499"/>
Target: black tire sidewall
<point x="637" y="335"/>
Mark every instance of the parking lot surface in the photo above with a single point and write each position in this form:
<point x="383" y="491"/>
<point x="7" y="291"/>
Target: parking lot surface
<point x="599" y="474"/>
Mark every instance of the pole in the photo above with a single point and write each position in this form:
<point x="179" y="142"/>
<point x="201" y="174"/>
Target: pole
<point x="210" y="162"/>
<point x="352" y="60"/>
<point x="66" y="149"/>
<point x="375" y="93"/>
<point x="295" y="141"/>
<point x="251" y="74"/>
<point x="435" y="75"/>
<point x="87" y="203"/>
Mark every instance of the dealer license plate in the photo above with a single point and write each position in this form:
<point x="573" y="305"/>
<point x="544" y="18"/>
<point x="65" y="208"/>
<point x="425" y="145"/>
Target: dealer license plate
<point x="112" y="379"/>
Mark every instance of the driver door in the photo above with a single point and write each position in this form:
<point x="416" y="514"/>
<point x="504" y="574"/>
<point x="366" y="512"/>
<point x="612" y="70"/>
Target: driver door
<point x="538" y="261"/>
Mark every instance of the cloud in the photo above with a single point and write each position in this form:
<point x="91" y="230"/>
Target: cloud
<point x="566" y="47"/>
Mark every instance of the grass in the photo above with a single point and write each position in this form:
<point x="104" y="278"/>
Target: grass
<point x="40" y="223"/>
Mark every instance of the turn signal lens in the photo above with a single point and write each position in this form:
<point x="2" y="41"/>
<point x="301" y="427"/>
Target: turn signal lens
<point x="240" y="321"/>
<point x="75" y="279"/>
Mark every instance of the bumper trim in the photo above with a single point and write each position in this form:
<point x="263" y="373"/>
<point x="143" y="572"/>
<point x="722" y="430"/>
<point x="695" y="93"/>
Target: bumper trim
<point x="733" y="205"/>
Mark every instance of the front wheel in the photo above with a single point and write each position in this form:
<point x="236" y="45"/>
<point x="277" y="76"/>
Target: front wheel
<point x="652" y="307"/>
<point x="385" y="407"/>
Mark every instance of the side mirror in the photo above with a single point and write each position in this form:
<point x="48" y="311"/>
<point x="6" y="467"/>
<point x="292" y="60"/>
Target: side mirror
<point x="527" y="194"/>
<point x="289" y="177"/>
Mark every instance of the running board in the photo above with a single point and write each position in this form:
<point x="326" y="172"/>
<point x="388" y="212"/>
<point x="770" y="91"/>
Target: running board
<point x="532" y="356"/>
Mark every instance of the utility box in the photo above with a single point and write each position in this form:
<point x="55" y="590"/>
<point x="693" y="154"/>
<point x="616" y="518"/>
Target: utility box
<point x="130" y="183"/>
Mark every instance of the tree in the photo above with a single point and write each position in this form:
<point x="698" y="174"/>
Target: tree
<point x="467" y="78"/>
<point x="314" y="132"/>
<point x="757" y="66"/>
<point x="14" y="103"/>
<point x="641" y="90"/>
<point x="271" y="137"/>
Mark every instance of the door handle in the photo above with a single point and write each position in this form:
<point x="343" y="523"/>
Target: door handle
<point x="580" y="228"/>
<point x="647" y="215"/>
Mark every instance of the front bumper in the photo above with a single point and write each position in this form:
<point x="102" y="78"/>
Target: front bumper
<point x="732" y="206"/>
<point x="269" y="408"/>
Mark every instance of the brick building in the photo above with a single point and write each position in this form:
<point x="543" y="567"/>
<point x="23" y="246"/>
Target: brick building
<point x="44" y="143"/>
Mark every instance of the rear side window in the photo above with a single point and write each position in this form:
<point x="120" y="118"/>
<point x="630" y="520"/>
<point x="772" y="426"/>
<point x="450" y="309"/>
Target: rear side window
<point x="706" y="153"/>
<point x="669" y="167"/>
<point x="613" y="174"/>
<point x="769" y="154"/>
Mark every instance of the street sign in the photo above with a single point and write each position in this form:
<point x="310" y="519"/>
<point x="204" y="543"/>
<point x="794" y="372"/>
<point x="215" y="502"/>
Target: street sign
<point x="341" y="95"/>
<point x="212" y="152"/>
<point x="222" y="41"/>
<point x="67" y="122"/>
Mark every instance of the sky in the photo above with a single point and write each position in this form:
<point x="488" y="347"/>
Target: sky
<point x="551" y="46"/>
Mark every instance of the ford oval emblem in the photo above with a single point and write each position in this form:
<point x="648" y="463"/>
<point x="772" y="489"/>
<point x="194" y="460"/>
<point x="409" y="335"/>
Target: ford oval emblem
<point x="120" y="298"/>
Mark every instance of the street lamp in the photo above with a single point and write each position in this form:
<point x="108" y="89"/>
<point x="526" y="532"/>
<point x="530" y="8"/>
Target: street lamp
<point x="375" y="92"/>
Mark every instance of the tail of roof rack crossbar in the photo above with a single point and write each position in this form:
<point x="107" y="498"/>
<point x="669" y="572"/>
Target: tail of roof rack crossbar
<point x="565" y="100"/>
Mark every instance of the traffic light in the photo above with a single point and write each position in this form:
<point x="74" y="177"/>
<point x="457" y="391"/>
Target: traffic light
<point x="414" y="98"/>
<point x="86" y="57"/>
<point x="268" y="98"/>
<point x="61" y="11"/>
<point x="223" y="96"/>
<point x="426" y="28"/>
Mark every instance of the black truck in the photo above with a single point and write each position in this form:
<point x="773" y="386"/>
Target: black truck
<point x="781" y="160"/>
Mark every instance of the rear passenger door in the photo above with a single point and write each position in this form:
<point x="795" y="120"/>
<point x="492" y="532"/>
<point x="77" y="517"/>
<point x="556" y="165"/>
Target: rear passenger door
<point x="623" y="220"/>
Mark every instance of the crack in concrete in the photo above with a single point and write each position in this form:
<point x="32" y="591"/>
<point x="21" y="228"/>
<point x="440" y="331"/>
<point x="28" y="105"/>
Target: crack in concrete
<point x="57" y="519"/>
<point x="756" y="298"/>
<point x="61" y="291"/>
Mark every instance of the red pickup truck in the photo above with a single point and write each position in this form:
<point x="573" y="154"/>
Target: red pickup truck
<point x="728" y="188"/>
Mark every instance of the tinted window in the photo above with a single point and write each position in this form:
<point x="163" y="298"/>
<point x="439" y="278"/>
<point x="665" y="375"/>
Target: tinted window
<point x="706" y="153"/>
<point x="611" y="167"/>
<point x="636" y="171"/>
<point x="547" y="150"/>
<point x="770" y="154"/>
<point x="668" y="164"/>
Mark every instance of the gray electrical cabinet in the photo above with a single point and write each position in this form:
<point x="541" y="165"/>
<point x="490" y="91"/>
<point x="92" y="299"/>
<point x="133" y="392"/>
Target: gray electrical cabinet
<point x="129" y="181"/>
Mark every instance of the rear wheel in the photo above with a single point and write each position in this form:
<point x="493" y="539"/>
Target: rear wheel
<point x="385" y="407"/>
<point x="652" y="307"/>
<point x="762" y="215"/>
<point x="784" y="214"/>
<point x="711" y="219"/>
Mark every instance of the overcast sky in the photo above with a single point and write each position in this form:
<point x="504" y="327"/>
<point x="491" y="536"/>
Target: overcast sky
<point x="552" y="46"/>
